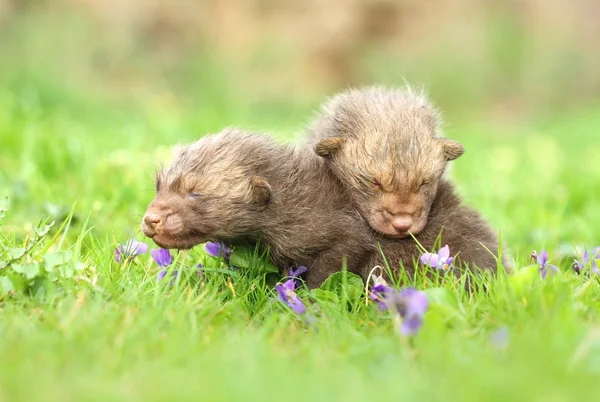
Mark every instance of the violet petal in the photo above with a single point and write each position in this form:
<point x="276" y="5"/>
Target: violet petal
<point x="130" y="249"/>
<point x="137" y="247"/>
<point x="213" y="249"/>
<point x="542" y="257"/>
<point x="417" y="301"/>
<point x="286" y="294"/>
<point x="430" y="259"/>
<point x="381" y="302"/>
<point x="217" y="249"/>
<point x="289" y="284"/>
<point x="281" y="293"/>
<point x="379" y="293"/>
<point x="548" y="268"/>
<point x="410" y="304"/>
<point x="385" y="289"/>
<point x="444" y="253"/>
<point x="500" y="338"/>
<point x="298" y="271"/>
<point x="297" y="304"/>
<point x="585" y="257"/>
<point x="411" y="324"/>
<point x="162" y="256"/>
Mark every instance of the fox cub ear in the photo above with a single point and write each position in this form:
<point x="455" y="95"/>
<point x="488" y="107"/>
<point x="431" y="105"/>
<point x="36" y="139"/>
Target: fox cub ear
<point x="452" y="149"/>
<point x="260" y="190"/>
<point x="328" y="147"/>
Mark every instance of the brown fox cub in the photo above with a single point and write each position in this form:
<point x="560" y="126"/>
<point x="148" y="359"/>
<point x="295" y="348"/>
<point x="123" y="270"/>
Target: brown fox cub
<point x="382" y="145"/>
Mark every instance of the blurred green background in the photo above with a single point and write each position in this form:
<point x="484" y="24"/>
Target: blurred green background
<point x="507" y="59"/>
<point x="94" y="92"/>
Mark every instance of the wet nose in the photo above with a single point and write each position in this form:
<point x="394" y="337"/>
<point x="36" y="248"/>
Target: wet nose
<point x="402" y="223"/>
<point x="152" y="220"/>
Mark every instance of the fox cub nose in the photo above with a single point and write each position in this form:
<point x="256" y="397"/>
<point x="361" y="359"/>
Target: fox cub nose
<point x="152" y="220"/>
<point x="402" y="223"/>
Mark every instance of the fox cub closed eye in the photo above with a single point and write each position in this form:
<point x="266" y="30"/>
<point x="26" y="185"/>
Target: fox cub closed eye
<point x="375" y="182"/>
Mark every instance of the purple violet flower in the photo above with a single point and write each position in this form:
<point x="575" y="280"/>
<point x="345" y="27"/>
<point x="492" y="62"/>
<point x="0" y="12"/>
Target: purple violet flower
<point x="295" y="274"/>
<point x="542" y="261"/>
<point x="379" y="293"/>
<point x="162" y="256"/>
<point x="161" y="275"/>
<point x="500" y="338"/>
<point x="410" y="304"/>
<point x="215" y="249"/>
<point x="579" y="267"/>
<point x="286" y="294"/>
<point x="440" y="261"/>
<point x="130" y="250"/>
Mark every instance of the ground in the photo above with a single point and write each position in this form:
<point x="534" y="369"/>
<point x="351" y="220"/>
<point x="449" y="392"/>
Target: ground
<point x="96" y="329"/>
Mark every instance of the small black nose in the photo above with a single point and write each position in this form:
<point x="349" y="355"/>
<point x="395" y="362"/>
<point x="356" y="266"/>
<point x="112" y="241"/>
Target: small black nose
<point x="152" y="220"/>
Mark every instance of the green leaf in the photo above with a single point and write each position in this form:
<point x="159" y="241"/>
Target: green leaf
<point x="16" y="253"/>
<point x="246" y="257"/>
<point x="336" y="280"/>
<point x="268" y="266"/>
<point x="335" y="283"/>
<point x="6" y="285"/>
<point x="29" y="270"/>
<point x="66" y="271"/>
<point x="40" y="286"/>
<point x="57" y="258"/>
<point x="43" y="231"/>
<point x="242" y="257"/>
<point x="326" y="296"/>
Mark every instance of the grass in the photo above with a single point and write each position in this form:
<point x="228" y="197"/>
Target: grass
<point x="91" y="328"/>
